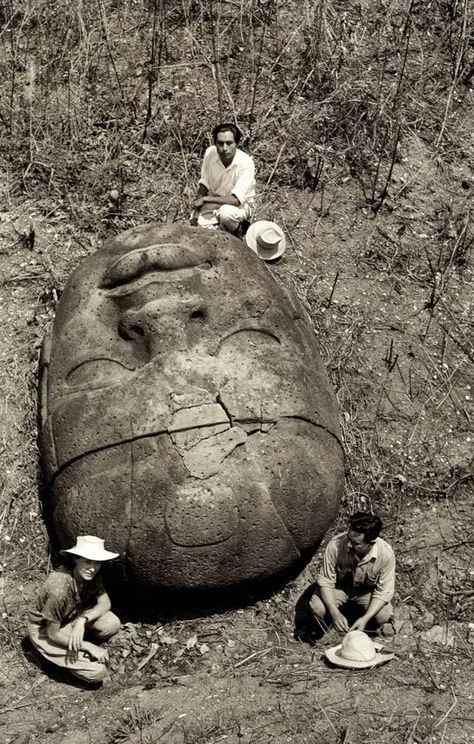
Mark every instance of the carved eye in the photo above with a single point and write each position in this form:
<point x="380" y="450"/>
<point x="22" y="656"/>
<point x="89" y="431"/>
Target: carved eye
<point x="97" y="373"/>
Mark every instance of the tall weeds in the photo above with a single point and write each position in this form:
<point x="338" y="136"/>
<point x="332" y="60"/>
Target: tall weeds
<point x="82" y="83"/>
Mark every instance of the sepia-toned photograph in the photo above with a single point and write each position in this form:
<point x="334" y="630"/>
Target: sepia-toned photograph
<point x="236" y="372"/>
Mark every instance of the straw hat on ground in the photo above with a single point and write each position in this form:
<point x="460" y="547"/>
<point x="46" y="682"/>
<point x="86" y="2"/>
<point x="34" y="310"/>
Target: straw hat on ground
<point x="266" y="239"/>
<point x="90" y="547"/>
<point x="358" y="651"/>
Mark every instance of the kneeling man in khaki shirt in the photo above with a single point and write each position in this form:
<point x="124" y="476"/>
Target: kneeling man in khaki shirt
<point x="359" y="569"/>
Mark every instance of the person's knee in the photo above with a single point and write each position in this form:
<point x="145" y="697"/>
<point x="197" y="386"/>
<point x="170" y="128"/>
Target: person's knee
<point x="228" y="218"/>
<point x="317" y="607"/>
<point x="226" y="212"/>
<point x="113" y="626"/>
<point x="96" y="673"/>
<point x="384" y="615"/>
<point x="107" y="626"/>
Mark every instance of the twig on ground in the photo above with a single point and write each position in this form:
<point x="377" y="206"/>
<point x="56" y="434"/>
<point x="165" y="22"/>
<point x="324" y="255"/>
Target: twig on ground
<point x="450" y="709"/>
<point x="153" y="649"/>
<point x="11" y="708"/>
<point x="262" y="652"/>
<point x="332" y="290"/>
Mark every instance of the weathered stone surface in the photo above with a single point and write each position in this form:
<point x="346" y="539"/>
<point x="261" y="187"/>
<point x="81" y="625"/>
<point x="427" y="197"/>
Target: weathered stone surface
<point x="186" y="414"/>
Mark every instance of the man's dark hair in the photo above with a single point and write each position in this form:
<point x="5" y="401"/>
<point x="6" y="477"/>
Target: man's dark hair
<point x="366" y="524"/>
<point x="227" y="128"/>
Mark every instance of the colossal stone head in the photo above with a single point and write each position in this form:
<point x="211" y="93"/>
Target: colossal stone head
<point x="186" y="415"/>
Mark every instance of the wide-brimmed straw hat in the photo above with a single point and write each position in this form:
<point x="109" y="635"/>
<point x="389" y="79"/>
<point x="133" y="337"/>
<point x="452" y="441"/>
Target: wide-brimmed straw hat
<point x="266" y="239"/>
<point x="358" y="651"/>
<point x="90" y="547"/>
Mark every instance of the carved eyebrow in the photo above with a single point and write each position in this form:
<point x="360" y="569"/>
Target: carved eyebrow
<point x="158" y="257"/>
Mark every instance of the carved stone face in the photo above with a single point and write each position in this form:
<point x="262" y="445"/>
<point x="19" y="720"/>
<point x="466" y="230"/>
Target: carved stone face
<point x="187" y="417"/>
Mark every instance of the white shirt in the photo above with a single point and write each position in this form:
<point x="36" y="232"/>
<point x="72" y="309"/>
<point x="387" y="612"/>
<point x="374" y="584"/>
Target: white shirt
<point x="238" y="178"/>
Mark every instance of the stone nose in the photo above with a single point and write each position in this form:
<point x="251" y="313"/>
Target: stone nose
<point x="160" y="325"/>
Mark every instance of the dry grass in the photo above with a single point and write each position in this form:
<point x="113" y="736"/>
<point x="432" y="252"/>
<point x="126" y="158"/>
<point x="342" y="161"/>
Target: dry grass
<point x="96" y="95"/>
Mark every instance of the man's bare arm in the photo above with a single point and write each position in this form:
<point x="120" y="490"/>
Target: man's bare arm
<point x="329" y="601"/>
<point x="202" y="191"/>
<point x="207" y="198"/>
<point x="375" y="605"/>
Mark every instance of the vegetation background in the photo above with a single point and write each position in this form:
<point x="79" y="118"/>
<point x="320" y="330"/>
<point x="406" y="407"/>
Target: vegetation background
<point x="360" y="118"/>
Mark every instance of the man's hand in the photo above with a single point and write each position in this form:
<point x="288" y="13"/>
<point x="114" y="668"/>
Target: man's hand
<point x="198" y="203"/>
<point x="359" y="624"/>
<point x="101" y="654"/>
<point x="77" y="635"/>
<point x="340" y="621"/>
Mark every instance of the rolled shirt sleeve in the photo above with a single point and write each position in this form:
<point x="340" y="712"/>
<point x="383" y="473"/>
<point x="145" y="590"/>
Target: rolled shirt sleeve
<point x="385" y="586"/>
<point x="327" y="574"/>
<point x="244" y="186"/>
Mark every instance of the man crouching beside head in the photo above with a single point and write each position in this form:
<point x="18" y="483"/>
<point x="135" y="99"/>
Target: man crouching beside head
<point x="358" y="569"/>
<point x="226" y="190"/>
<point x="72" y="604"/>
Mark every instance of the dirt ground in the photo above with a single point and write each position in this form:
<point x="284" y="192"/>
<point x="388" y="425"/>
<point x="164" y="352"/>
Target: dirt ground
<point x="391" y="299"/>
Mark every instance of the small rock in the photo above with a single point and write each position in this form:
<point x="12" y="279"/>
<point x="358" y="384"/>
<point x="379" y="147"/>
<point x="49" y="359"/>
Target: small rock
<point x="406" y="628"/>
<point x="439" y="634"/>
<point x="470" y="633"/>
<point x="51" y="728"/>
<point x="387" y="630"/>
<point x="428" y="620"/>
<point x="403" y="612"/>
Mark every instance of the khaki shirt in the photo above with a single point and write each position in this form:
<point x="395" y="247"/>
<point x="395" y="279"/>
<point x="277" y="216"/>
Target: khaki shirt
<point x="374" y="573"/>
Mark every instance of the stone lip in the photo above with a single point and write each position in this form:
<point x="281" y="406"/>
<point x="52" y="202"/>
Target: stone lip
<point x="186" y="414"/>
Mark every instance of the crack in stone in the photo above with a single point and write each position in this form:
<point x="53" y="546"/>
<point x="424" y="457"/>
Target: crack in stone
<point x="121" y="442"/>
<point x="198" y="442"/>
<point x="188" y="408"/>
<point x="139" y="437"/>
<point x="205" y="459"/>
<point x="313" y="423"/>
<point x="224" y="408"/>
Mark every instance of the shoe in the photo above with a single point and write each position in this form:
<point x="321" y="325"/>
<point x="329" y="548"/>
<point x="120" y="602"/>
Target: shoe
<point x="241" y="231"/>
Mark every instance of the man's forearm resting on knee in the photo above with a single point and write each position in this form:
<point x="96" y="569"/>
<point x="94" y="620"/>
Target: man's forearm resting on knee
<point x="375" y="605"/>
<point x="216" y="199"/>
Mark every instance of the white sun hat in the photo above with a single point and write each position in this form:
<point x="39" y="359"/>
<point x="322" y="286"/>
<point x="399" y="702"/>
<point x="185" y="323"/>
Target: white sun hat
<point x="90" y="547"/>
<point x="266" y="239"/>
<point x="358" y="651"/>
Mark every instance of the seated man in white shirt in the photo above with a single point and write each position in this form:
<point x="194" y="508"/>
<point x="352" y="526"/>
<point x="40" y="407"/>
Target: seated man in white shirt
<point x="226" y="190"/>
<point x="359" y="569"/>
